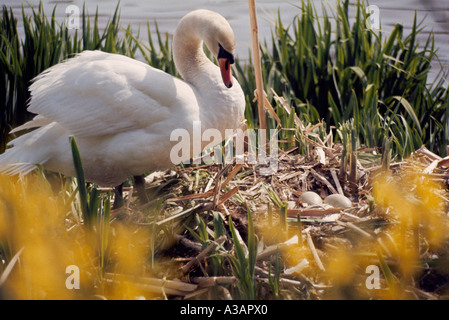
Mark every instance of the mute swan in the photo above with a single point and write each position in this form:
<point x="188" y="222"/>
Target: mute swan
<point x="122" y="111"/>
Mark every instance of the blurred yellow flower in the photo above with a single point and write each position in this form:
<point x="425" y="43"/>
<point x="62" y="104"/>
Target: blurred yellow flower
<point x="57" y="262"/>
<point x="417" y="217"/>
<point x="33" y="220"/>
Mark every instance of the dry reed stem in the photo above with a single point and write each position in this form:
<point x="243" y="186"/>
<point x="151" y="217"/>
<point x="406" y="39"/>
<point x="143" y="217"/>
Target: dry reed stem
<point x="257" y="63"/>
<point x="316" y="257"/>
<point x="197" y="260"/>
<point x="10" y="267"/>
<point x="206" y="282"/>
<point x="178" y="215"/>
<point x="271" y="250"/>
<point x="165" y="283"/>
<point x="231" y="175"/>
<point x="323" y="179"/>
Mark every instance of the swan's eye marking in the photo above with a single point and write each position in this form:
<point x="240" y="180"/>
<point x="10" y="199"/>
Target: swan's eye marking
<point x="223" y="54"/>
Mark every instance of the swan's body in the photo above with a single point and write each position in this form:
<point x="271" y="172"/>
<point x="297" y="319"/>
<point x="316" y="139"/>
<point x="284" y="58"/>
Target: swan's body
<point x="122" y="111"/>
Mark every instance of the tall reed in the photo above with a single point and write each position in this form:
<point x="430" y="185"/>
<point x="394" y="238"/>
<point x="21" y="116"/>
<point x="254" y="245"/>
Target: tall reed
<point x="332" y="67"/>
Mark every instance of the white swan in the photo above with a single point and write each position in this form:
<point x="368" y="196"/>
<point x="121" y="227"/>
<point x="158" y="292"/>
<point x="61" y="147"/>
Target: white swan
<point x="122" y="111"/>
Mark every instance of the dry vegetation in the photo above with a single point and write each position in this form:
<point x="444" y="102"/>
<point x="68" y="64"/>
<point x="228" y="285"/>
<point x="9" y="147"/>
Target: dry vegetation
<point x="305" y="252"/>
<point x="228" y="232"/>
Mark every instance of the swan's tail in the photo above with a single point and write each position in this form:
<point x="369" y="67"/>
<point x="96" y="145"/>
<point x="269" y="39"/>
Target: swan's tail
<point x="24" y="155"/>
<point x="9" y="166"/>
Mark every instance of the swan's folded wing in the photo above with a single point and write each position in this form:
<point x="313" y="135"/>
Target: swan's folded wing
<point x="37" y="121"/>
<point x="99" y="94"/>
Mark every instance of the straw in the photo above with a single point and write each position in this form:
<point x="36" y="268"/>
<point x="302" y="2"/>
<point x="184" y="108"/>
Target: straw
<point x="257" y="63"/>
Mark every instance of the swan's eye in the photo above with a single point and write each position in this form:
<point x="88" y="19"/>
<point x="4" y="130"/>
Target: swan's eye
<point x="223" y="54"/>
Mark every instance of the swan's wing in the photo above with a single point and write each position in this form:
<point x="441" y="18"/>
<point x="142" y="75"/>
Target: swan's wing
<point x="38" y="121"/>
<point x="98" y="94"/>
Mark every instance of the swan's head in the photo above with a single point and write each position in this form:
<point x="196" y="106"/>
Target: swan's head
<point x="225" y="59"/>
<point x="217" y="34"/>
<point x="220" y="40"/>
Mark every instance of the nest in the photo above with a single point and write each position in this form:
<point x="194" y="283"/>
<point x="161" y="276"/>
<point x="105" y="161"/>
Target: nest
<point x="319" y="251"/>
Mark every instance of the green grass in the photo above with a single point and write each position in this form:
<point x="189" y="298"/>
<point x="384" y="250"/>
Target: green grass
<point x="369" y="88"/>
<point x="46" y="43"/>
<point x="346" y="71"/>
<point x="243" y="264"/>
<point x="336" y="73"/>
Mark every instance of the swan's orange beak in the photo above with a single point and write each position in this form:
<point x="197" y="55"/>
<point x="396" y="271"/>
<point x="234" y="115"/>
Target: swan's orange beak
<point x="225" y="68"/>
<point x="225" y="59"/>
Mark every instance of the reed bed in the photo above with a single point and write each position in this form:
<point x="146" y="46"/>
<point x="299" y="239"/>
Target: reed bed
<point x="330" y="66"/>
<point x="226" y="231"/>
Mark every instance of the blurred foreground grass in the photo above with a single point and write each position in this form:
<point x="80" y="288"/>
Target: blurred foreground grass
<point x="222" y="232"/>
<point x="400" y="228"/>
<point x="41" y="238"/>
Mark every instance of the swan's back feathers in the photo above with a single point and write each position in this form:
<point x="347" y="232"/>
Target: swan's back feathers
<point x="123" y="112"/>
<point x="116" y="97"/>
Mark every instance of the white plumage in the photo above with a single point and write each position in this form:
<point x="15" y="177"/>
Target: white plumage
<point x="122" y="111"/>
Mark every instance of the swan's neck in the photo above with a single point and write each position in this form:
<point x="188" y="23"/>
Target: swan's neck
<point x="188" y="54"/>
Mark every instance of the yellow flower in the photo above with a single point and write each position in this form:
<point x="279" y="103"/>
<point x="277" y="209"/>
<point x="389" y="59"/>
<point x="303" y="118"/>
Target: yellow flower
<point x="417" y="215"/>
<point x="56" y="262"/>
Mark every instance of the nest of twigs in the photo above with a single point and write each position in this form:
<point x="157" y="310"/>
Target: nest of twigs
<point x="302" y="251"/>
